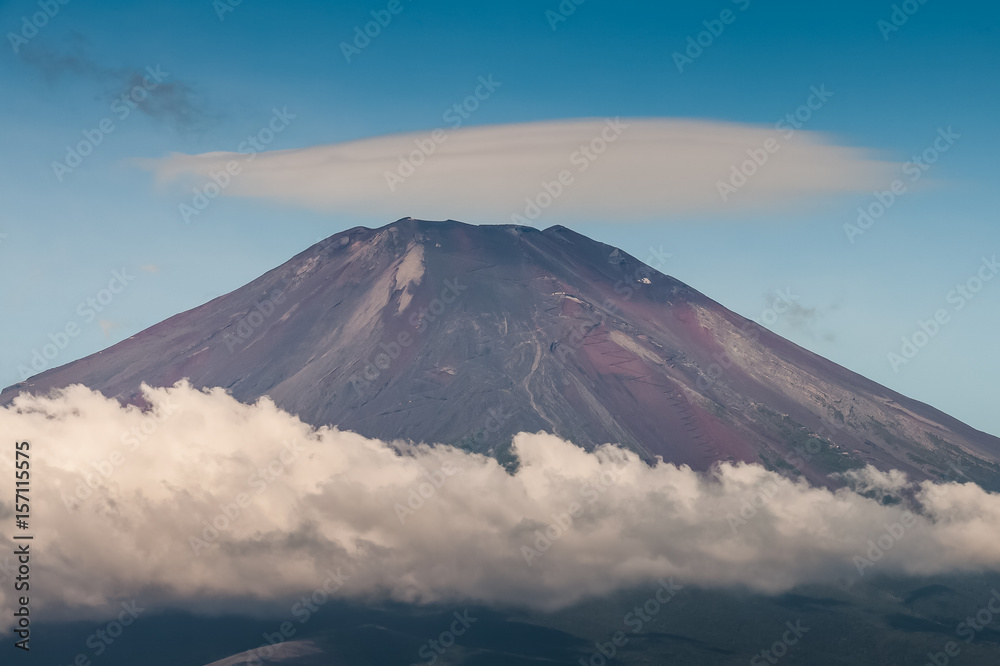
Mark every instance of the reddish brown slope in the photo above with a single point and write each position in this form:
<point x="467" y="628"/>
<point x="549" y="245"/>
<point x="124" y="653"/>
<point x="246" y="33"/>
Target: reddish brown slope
<point x="447" y="332"/>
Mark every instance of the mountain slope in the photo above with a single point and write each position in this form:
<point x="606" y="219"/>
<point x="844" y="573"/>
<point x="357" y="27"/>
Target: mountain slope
<point x="452" y="333"/>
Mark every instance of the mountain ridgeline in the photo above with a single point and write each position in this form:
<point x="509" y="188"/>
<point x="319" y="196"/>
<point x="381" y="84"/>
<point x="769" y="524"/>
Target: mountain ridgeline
<point x="445" y="332"/>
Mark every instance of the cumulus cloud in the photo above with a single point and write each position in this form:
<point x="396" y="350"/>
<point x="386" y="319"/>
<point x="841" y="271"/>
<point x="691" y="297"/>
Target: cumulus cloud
<point x="203" y="500"/>
<point x="646" y="169"/>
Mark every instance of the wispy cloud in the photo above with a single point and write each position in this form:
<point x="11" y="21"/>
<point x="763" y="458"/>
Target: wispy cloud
<point x="172" y="101"/>
<point x="795" y="316"/>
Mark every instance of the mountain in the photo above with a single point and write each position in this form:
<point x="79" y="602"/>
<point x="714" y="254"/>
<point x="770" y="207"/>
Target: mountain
<point x="453" y="333"/>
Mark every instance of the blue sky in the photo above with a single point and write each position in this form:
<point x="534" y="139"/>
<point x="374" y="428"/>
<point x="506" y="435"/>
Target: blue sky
<point x="892" y="93"/>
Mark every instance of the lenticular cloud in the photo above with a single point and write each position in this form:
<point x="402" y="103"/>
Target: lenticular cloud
<point x="203" y="499"/>
<point x="645" y="169"/>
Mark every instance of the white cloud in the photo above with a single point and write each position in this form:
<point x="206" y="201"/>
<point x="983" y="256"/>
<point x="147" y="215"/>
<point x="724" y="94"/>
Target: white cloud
<point x="323" y="500"/>
<point x="657" y="168"/>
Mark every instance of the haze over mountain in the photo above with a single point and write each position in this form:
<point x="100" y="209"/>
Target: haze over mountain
<point x="450" y="333"/>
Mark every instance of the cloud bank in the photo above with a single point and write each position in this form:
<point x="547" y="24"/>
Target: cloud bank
<point x="204" y="500"/>
<point x="615" y="170"/>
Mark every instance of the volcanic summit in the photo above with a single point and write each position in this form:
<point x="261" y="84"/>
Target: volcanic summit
<point x="444" y="332"/>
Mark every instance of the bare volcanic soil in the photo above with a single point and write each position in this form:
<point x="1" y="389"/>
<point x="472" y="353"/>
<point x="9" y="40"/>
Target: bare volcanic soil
<point x="452" y="333"/>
